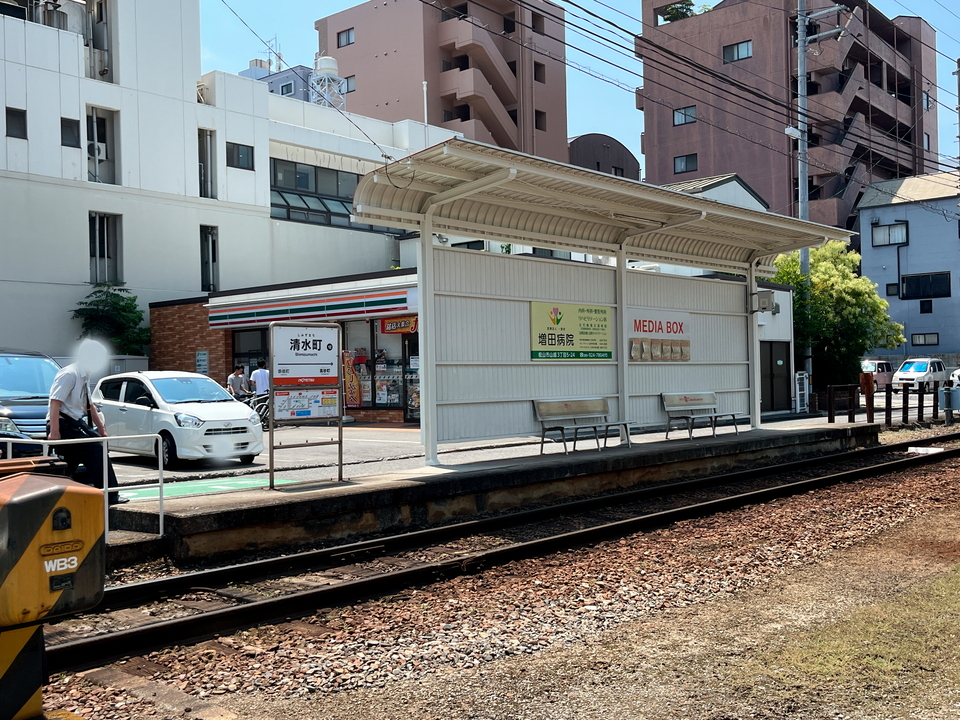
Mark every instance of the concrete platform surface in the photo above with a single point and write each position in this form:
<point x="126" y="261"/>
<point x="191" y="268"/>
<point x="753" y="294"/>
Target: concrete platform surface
<point x="305" y="509"/>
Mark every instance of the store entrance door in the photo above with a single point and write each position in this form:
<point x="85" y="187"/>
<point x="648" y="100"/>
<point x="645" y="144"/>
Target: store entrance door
<point x="411" y="377"/>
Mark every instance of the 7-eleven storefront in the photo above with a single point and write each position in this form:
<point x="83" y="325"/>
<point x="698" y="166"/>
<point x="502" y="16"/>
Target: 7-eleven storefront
<point x="378" y="313"/>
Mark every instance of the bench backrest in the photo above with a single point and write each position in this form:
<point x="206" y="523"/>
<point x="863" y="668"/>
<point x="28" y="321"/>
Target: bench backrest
<point x="582" y="408"/>
<point x="687" y="402"/>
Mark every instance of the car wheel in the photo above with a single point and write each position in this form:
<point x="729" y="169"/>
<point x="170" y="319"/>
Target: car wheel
<point x="876" y="386"/>
<point x="168" y="452"/>
<point x="247" y="459"/>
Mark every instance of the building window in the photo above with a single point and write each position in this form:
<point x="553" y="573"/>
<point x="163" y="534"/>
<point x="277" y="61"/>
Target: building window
<point x="929" y="285"/>
<point x="926" y="307"/>
<point x="925" y="339"/>
<point x="239" y="156"/>
<point x="738" y="51"/>
<point x="685" y="163"/>
<point x="104" y="248"/>
<point x="540" y="72"/>
<point x="209" y="269"/>
<point x="926" y="141"/>
<point x="16" y="123"/>
<point x="286" y="89"/>
<point x="618" y="171"/>
<point x="350" y="83"/>
<point x="344" y="38"/>
<point x="895" y="234"/>
<point x="893" y="289"/>
<point x="453" y="13"/>
<point x="537" y="23"/>
<point x="315" y="195"/>
<point x="927" y="101"/>
<point x="470" y="245"/>
<point x="206" y="149"/>
<point x="69" y="132"/>
<point x="540" y="120"/>
<point x="685" y="115"/>
<point x="510" y="23"/>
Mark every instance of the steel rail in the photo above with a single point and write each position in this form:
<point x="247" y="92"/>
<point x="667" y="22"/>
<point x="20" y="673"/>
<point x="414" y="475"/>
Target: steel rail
<point x="87" y="652"/>
<point x="134" y="593"/>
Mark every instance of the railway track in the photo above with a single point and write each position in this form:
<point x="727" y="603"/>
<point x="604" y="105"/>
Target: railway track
<point x="139" y="617"/>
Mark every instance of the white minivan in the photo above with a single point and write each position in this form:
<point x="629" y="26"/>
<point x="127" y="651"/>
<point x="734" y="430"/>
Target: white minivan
<point x="920" y="372"/>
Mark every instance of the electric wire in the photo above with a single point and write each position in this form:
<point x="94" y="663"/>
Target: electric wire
<point x="587" y="71"/>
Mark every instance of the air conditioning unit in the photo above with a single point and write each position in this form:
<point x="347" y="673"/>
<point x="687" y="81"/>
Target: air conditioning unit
<point x="97" y="151"/>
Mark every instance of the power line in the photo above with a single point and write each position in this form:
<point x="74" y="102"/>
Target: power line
<point x="483" y="26"/>
<point x="383" y="153"/>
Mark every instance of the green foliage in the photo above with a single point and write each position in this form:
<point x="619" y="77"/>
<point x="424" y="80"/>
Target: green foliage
<point x="840" y="316"/>
<point x="678" y="11"/>
<point x="110" y="313"/>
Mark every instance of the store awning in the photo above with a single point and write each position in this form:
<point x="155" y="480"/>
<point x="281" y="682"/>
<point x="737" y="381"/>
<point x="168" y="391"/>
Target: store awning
<point x="476" y="190"/>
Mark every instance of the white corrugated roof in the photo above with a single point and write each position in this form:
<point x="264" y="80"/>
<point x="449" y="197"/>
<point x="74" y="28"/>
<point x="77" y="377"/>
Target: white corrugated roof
<point x="477" y="190"/>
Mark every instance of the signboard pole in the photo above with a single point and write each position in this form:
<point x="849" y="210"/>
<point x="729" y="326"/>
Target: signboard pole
<point x="270" y="403"/>
<point x="306" y="381"/>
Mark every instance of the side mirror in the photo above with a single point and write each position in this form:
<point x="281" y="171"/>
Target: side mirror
<point x="145" y="401"/>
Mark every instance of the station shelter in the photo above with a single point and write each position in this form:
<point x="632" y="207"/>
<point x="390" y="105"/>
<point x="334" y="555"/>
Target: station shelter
<point x="466" y="340"/>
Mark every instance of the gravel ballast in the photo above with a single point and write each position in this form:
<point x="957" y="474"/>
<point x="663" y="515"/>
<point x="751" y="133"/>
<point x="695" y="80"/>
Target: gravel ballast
<point x="639" y="627"/>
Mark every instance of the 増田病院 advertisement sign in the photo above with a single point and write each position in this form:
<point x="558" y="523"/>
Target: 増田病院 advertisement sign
<point x="567" y="331"/>
<point x="655" y="335"/>
<point x="305" y="356"/>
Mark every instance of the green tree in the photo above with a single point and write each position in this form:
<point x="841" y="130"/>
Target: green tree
<point x="678" y="11"/>
<point x="110" y="313"/>
<point x="840" y="315"/>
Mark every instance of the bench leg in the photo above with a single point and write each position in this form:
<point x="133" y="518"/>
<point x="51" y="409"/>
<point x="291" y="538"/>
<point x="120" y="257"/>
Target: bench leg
<point x="735" y="427"/>
<point x="690" y="427"/>
<point x="596" y="436"/>
<point x="543" y="434"/>
<point x="713" y="424"/>
<point x="626" y="434"/>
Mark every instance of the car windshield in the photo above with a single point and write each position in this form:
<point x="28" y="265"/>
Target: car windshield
<point x="919" y="366"/>
<point x="26" y="376"/>
<point x="868" y="366"/>
<point x="190" y="389"/>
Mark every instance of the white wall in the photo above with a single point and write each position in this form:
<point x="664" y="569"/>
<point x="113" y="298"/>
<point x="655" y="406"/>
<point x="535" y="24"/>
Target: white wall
<point x="45" y="195"/>
<point x="486" y="379"/>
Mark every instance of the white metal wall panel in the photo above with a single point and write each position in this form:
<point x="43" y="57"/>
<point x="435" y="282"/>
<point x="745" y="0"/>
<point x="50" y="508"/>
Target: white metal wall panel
<point x="467" y="422"/>
<point x="647" y="289"/>
<point x="656" y="378"/>
<point x="466" y="272"/>
<point x="534" y="380"/>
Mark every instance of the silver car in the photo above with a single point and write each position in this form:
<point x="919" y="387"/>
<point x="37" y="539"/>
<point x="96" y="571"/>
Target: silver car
<point x="195" y="417"/>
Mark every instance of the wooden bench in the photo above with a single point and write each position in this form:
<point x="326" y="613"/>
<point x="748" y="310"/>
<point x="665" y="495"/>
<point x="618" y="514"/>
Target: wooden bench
<point x="576" y="415"/>
<point x="692" y="406"/>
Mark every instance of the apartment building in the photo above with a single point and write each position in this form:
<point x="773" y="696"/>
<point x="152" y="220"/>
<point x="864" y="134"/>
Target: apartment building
<point x="872" y="100"/>
<point x="909" y="239"/>
<point x="119" y="162"/>
<point x="492" y="71"/>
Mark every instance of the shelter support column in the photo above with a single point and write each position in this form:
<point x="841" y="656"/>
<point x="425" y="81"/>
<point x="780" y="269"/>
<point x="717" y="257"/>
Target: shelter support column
<point x="753" y="352"/>
<point x="620" y="333"/>
<point x="428" y="340"/>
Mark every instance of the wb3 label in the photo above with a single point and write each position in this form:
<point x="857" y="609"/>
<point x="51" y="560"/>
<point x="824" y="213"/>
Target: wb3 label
<point x="67" y="563"/>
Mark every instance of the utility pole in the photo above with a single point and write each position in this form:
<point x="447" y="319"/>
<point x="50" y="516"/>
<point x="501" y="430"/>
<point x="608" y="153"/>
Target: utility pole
<point x="957" y="73"/>
<point x="803" y="167"/>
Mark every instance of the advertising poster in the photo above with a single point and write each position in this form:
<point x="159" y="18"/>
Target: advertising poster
<point x="655" y="335"/>
<point x="351" y="381"/>
<point x="566" y="331"/>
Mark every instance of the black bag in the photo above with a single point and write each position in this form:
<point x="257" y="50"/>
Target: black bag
<point x="75" y="428"/>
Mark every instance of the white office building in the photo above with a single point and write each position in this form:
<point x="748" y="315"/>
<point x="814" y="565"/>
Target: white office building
<point x="119" y="161"/>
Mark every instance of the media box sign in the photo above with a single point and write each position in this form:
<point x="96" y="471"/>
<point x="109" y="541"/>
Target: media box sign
<point x="305" y="356"/>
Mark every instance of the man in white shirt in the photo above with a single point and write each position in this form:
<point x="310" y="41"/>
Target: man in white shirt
<point x="261" y="378"/>
<point x="69" y="405"/>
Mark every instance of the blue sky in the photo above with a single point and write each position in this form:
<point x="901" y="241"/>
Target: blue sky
<point x="594" y="105"/>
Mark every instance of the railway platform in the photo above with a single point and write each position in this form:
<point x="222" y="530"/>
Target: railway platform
<point x="238" y="516"/>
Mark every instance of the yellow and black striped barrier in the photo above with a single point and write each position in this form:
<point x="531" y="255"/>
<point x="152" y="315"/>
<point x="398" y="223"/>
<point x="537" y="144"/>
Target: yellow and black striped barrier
<point x="52" y="562"/>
